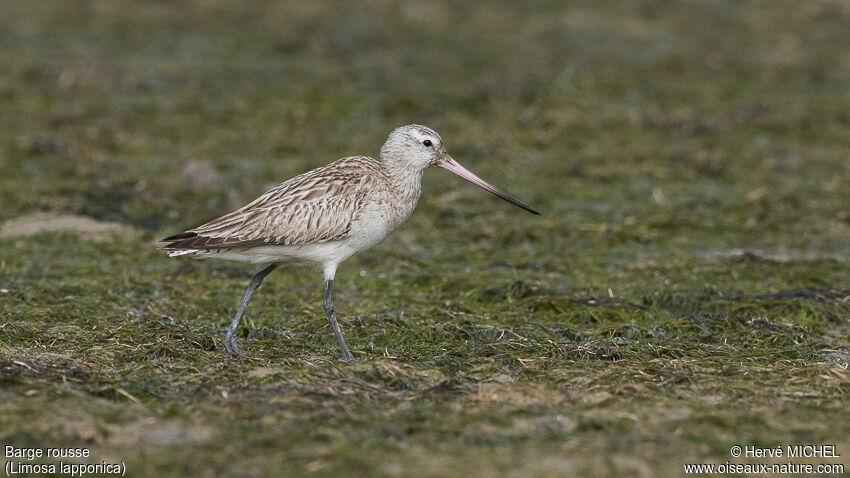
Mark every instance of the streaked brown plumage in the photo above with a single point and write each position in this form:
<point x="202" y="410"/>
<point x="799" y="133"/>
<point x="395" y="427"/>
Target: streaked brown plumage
<point x="326" y="215"/>
<point x="317" y="206"/>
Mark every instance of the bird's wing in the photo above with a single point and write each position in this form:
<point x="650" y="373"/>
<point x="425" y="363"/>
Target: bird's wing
<point x="317" y="206"/>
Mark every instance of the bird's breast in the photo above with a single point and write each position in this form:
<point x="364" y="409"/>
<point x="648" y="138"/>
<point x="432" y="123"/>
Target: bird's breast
<point x="385" y="207"/>
<point x="372" y="224"/>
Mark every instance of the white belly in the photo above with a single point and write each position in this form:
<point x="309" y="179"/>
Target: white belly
<point x="319" y="253"/>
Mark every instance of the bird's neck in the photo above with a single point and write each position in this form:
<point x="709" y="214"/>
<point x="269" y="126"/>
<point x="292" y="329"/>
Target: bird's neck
<point x="406" y="182"/>
<point x="407" y="186"/>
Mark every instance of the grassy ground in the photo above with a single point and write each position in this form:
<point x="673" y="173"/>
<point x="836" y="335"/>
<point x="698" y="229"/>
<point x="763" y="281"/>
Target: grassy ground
<point x="684" y="291"/>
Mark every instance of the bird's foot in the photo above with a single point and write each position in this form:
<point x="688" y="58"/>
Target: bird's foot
<point x="347" y="357"/>
<point x="232" y="348"/>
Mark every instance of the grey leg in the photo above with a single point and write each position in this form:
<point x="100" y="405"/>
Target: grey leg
<point x="328" y="304"/>
<point x="230" y="339"/>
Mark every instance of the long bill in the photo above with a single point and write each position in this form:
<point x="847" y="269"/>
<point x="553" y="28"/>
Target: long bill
<point x="450" y="164"/>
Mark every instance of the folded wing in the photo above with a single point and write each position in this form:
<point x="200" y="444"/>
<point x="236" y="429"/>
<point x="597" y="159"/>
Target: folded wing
<point x="317" y="206"/>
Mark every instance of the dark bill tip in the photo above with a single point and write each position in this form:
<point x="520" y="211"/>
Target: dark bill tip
<point x="448" y="163"/>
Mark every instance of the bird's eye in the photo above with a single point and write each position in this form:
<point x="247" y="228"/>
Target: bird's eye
<point x="427" y="143"/>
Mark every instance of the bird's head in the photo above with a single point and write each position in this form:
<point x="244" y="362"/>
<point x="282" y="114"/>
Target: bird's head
<point x="414" y="147"/>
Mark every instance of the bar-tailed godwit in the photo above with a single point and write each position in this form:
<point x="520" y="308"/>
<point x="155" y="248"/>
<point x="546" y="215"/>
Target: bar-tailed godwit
<point x="326" y="215"/>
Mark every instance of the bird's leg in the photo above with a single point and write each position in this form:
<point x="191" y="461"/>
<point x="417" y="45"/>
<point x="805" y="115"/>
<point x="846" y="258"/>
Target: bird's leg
<point x="230" y="338"/>
<point x="328" y="304"/>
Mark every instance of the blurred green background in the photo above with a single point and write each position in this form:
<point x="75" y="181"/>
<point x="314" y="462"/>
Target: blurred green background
<point x="685" y="289"/>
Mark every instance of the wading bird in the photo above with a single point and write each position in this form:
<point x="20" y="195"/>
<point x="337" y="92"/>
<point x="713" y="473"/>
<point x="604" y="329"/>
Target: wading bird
<point x="326" y="215"/>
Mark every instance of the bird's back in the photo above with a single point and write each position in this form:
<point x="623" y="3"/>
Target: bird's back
<point x="315" y="207"/>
